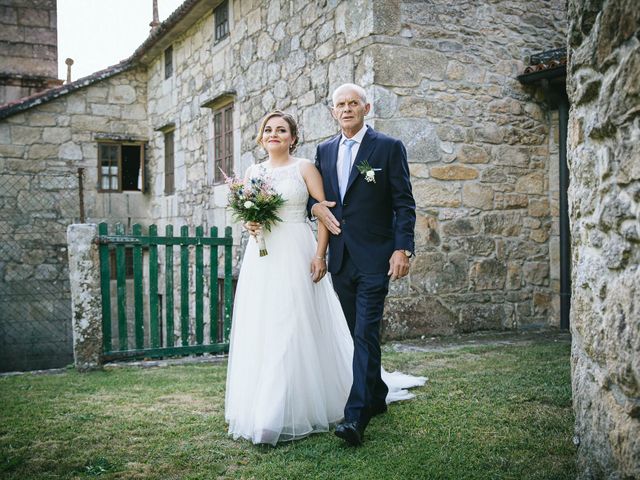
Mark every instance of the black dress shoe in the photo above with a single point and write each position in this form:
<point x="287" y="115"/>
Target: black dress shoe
<point x="378" y="409"/>
<point x="350" y="432"/>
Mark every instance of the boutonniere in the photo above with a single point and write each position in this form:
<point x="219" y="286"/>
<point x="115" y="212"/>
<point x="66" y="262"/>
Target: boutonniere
<point x="368" y="171"/>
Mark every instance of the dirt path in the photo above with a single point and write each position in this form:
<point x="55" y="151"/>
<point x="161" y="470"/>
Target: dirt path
<point x="425" y="344"/>
<point x="455" y="342"/>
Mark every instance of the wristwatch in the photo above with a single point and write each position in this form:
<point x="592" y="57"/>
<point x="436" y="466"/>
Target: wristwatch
<point x="408" y="253"/>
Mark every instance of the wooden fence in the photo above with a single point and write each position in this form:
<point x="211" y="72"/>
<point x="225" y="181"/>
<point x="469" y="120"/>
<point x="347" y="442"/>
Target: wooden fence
<point x="149" y="327"/>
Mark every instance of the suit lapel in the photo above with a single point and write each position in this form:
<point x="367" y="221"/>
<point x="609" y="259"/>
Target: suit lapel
<point x="332" y="165"/>
<point x="364" y="152"/>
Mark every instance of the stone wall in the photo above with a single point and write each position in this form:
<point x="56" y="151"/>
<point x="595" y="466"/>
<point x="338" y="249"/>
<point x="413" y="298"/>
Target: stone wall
<point x="35" y="331"/>
<point x="61" y="135"/>
<point x="604" y="161"/>
<point x="28" y="48"/>
<point x="40" y="152"/>
<point x="286" y="55"/>
<point x="440" y="78"/>
<point x="481" y="149"/>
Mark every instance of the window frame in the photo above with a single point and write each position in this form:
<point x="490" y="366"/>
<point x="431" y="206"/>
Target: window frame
<point x="221" y="26"/>
<point x="168" y="62"/>
<point x="119" y="145"/>
<point x="222" y="142"/>
<point x="169" y="134"/>
<point x="128" y="264"/>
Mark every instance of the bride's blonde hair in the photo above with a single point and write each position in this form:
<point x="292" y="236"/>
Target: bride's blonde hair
<point x="293" y="127"/>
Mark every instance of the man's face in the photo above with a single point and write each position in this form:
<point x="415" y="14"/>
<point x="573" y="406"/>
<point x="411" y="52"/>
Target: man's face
<point x="349" y="110"/>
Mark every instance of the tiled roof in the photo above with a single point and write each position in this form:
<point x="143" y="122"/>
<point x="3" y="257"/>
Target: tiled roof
<point x="39" y="98"/>
<point x="548" y="65"/>
<point x="170" y="22"/>
<point x="22" y="104"/>
<point x="545" y="66"/>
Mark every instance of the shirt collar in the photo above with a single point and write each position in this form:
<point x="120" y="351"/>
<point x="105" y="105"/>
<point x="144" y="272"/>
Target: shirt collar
<point x="357" y="137"/>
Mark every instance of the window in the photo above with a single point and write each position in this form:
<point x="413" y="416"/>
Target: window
<point x="223" y="142"/>
<point x="128" y="263"/>
<point x="221" y="14"/>
<point x="120" y="167"/>
<point x="169" y="177"/>
<point x="168" y="62"/>
<point x="220" y="329"/>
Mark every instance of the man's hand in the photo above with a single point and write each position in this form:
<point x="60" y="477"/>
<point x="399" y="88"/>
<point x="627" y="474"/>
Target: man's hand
<point x="321" y="211"/>
<point x="253" y="228"/>
<point x="398" y="265"/>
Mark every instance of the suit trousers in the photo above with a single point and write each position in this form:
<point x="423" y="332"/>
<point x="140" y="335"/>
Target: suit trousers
<point x="362" y="298"/>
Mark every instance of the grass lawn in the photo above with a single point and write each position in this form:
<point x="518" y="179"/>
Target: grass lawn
<point x="487" y="412"/>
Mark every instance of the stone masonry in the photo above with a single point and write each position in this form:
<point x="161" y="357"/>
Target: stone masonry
<point x="441" y="76"/>
<point x="480" y="150"/>
<point x="61" y="135"/>
<point x="28" y="48"/>
<point x="40" y="152"/>
<point x="604" y="160"/>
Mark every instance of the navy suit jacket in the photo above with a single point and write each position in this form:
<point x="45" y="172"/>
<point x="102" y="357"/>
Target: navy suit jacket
<point x="376" y="218"/>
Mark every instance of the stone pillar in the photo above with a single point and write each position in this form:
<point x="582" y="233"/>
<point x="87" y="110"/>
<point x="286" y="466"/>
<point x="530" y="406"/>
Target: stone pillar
<point x="86" y="304"/>
<point x="604" y="195"/>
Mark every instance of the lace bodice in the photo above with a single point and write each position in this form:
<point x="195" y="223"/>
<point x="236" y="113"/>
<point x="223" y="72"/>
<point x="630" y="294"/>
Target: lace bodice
<point x="289" y="183"/>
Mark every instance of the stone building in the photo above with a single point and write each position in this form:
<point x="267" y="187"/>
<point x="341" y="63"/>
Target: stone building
<point x="28" y="48"/>
<point x="151" y="132"/>
<point x="604" y="156"/>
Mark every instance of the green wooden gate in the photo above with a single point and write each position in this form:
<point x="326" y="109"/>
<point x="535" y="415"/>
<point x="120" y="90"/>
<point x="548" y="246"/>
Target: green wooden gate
<point x="148" y="329"/>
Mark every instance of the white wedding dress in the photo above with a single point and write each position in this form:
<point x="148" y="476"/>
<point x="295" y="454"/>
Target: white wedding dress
<point x="289" y="371"/>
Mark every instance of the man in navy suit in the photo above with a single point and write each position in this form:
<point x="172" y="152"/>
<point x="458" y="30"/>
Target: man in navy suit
<point x="370" y="212"/>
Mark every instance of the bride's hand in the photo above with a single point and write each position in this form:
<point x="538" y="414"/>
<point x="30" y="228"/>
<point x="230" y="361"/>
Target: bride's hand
<point x="253" y="228"/>
<point x="318" y="269"/>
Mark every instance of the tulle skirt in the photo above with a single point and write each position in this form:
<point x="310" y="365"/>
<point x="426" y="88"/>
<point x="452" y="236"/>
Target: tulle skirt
<point x="289" y="371"/>
<point x="290" y="358"/>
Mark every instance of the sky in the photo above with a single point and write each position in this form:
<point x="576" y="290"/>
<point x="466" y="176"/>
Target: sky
<point x="99" y="33"/>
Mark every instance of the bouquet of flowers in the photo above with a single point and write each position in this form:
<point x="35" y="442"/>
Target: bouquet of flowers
<point x="254" y="201"/>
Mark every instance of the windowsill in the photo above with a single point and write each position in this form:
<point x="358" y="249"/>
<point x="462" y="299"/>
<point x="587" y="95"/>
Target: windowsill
<point x="226" y="37"/>
<point x="220" y="44"/>
<point x="120" y="191"/>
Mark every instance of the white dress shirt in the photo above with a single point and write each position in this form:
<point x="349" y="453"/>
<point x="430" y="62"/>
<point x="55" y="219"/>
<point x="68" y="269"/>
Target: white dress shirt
<point x="354" y="149"/>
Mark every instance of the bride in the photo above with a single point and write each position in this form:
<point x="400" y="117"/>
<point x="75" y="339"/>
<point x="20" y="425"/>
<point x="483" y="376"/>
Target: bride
<point x="289" y="372"/>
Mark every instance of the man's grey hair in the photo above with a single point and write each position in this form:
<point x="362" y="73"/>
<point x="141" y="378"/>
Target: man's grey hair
<point x="349" y="86"/>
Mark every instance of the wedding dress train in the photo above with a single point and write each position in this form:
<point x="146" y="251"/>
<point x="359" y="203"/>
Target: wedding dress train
<point x="289" y="371"/>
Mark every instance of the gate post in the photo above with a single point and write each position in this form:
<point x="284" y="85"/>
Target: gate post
<point x="86" y="303"/>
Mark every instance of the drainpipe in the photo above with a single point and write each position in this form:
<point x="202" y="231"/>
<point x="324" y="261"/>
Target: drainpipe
<point x="550" y="77"/>
<point x="565" y="246"/>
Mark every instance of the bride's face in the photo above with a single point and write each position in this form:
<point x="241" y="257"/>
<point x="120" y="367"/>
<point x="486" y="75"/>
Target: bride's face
<point x="276" y="136"/>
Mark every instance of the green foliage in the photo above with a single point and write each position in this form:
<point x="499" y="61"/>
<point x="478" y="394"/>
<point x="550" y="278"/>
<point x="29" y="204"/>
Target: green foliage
<point x="485" y="413"/>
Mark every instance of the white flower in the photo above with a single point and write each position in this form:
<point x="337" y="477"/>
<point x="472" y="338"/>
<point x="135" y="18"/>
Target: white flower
<point x="368" y="171"/>
<point x="248" y="204"/>
<point x="370" y="176"/>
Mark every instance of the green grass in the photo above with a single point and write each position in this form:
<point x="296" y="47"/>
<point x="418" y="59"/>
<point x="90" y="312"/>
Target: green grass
<point x="486" y="413"/>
